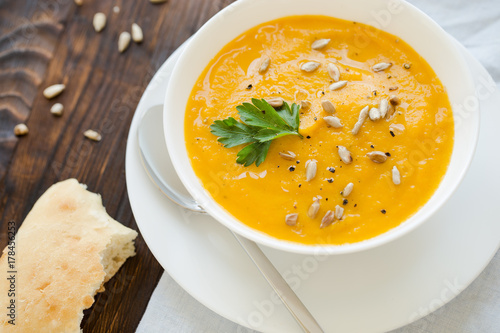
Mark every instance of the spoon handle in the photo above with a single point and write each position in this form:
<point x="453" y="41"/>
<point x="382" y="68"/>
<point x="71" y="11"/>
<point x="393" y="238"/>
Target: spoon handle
<point x="151" y="124"/>
<point x="298" y="310"/>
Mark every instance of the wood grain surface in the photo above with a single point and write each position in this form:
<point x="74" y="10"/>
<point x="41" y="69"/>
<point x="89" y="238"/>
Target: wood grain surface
<point x="52" y="41"/>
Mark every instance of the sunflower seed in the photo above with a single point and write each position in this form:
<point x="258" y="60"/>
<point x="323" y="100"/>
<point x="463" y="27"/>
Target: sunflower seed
<point x="291" y="219"/>
<point x="339" y="212"/>
<point x="337" y="85"/>
<point x="301" y="93"/>
<point x="137" y="35"/>
<point x="99" y="21"/>
<point x="363" y="114"/>
<point x="123" y="41"/>
<point x="390" y="112"/>
<point x="345" y="155"/>
<point x="305" y="104"/>
<point x="397" y="128"/>
<point x="396" y="176"/>
<point x="264" y="65"/>
<point x="333" y="71"/>
<point x="319" y="44"/>
<point x="407" y="66"/>
<point x="53" y="91"/>
<point x="374" y="114"/>
<point x="275" y="102"/>
<point x="381" y="66"/>
<point x="393" y="88"/>
<point x="328" y="106"/>
<point x="57" y="109"/>
<point x="327" y="219"/>
<point x="311" y="168"/>
<point x="333" y="121"/>
<point x="92" y="135"/>
<point x="347" y="190"/>
<point x="290" y="156"/>
<point x="383" y="107"/>
<point x="394" y="100"/>
<point x="20" y="130"/>
<point x="377" y="156"/>
<point x="310" y="66"/>
<point x="313" y="210"/>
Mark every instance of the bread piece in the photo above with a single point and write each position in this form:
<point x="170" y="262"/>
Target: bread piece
<point x="66" y="249"/>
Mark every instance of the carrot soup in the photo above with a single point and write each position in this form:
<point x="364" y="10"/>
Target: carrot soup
<point x="317" y="130"/>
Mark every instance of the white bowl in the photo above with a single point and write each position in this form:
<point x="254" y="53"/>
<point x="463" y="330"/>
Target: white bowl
<point x="396" y="17"/>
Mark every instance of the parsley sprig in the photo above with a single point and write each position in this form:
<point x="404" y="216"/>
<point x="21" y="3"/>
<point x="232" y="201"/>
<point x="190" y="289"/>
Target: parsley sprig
<point x="260" y="124"/>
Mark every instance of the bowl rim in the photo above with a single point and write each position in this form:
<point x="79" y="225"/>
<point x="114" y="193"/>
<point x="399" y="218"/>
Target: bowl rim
<point x="200" y="194"/>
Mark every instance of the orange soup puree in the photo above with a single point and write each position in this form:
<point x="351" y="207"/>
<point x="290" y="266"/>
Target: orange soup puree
<point x="416" y="135"/>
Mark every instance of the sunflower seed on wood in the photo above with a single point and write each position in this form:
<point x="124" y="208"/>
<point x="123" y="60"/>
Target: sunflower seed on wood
<point x="363" y="114"/>
<point x="328" y="106"/>
<point x="290" y="156"/>
<point x="333" y="121"/>
<point x="305" y="104"/>
<point x="394" y="100"/>
<point x="397" y="128"/>
<point x="20" y="130"/>
<point x="374" y="114"/>
<point x="333" y="71"/>
<point x="310" y="66"/>
<point x="311" y="168"/>
<point x="381" y="66"/>
<point x="320" y="43"/>
<point x="383" y="107"/>
<point x="396" y="176"/>
<point x="92" y="135"/>
<point x="327" y="219"/>
<point x="337" y="85"/>
<point x="264" y="65"/>
<point x="53" y="91"/>
<point x="345" y="155"/>
<point x="313" y="210"/>
<point x="377" y="156"/>
<point x="275" y="102"/>
<point x="124" y="41"/>
<point x="291" y="219"/>
<point x="339" y="212"/>
<point x="347" y="190"/>
<point x="137" y="35"/>
<point x="99" y="22"/>
<point x="57" y="109"/>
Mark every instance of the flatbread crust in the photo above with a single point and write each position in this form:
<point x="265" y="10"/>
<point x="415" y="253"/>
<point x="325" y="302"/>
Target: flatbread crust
<point x="66" y="249"/>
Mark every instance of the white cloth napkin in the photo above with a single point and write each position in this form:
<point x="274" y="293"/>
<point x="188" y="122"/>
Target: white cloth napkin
<point x="476" y="24"/>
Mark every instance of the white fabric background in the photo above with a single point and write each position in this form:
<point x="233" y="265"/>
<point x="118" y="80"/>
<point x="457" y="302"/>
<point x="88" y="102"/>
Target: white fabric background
<point x="474" y="23"/>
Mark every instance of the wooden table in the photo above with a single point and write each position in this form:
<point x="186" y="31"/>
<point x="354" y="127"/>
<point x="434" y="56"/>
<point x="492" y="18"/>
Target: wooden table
<point x="53" y="41"/>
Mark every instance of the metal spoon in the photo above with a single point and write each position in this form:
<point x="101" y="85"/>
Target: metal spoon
<point x="150" y="131"/>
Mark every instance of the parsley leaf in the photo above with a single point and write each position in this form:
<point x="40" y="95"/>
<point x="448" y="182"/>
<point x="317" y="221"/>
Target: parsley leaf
<point x="260" y="124"/>
<point x="232" y="133"/>
<point x="256" y="152"/>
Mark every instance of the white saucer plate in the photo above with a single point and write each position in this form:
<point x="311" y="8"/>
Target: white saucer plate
<point x="372" y="291"/>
